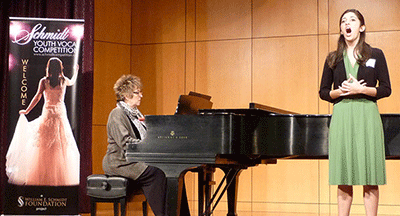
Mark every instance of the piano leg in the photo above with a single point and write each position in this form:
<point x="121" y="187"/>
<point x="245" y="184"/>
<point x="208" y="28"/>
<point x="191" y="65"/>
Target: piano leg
<point x="205" y="180"/>
<point x="176" y="202"/>
<point x="184" y="202"/>
<point x="172" y="196"/>
<point x="201" y="191"/>
<point x="233" y="179"/>
<point x="176" y="192"/>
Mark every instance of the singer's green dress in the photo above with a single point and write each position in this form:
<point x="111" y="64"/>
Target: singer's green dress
<point x="356" y="141"/>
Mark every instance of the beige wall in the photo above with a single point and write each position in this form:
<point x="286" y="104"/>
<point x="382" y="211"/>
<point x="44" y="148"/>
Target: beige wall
<point x="240" y="51"/>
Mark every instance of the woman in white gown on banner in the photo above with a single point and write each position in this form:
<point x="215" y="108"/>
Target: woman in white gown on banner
<point x="44" y="151"/>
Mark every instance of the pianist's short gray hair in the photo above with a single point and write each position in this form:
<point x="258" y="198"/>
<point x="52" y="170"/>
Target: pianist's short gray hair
<point x="126" y="85"/>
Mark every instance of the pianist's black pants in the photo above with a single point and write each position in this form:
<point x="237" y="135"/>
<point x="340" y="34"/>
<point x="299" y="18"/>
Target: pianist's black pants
<point x="154" y="185"/>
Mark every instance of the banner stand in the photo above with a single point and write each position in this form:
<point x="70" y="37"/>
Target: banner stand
<point x="43" y="160"/>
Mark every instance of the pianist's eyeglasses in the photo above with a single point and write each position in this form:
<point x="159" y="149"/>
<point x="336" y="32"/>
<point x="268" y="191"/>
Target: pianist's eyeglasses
<point x="138" y="92"/>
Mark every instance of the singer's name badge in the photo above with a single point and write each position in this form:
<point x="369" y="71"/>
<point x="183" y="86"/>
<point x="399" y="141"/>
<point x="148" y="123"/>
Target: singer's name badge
<point x="371" y="63"/>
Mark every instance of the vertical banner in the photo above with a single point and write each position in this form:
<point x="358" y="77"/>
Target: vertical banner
<point x="43" y="161"/>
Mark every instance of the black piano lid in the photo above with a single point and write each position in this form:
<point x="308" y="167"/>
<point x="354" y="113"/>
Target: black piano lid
<point x="263" y="110"/>
<point x="391" y="123"/>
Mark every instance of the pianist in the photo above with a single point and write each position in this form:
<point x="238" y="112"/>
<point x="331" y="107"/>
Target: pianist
<point x="126" y="126"/>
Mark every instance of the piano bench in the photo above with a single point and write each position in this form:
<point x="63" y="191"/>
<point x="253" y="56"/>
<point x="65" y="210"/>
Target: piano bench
<point x="112" y="189"/>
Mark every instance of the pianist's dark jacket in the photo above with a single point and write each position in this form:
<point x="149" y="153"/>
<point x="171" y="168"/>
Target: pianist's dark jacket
<point x="120" y="132"/>
<point x="370" y="73"/>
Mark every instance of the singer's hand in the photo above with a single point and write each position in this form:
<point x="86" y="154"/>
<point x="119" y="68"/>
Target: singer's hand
<point x="352" y="86"/>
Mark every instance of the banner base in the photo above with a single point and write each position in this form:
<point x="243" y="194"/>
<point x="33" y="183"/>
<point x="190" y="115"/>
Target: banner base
<point x="41" y="200"/>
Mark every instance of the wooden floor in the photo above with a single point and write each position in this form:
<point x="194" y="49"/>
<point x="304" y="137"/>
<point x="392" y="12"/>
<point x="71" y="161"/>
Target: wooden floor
<point x="223" y="213"/>
<point x="135" y="209"/>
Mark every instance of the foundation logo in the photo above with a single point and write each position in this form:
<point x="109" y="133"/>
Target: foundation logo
<point x="20" y="201"/>
<point x="41" y="203"/>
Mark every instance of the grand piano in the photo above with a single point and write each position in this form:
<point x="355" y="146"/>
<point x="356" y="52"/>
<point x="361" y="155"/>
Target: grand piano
<point x="233" y="140"/>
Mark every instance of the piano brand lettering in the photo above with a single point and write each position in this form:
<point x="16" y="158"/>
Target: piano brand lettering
<point x="172" y="136"/>
<point x="24" y="81"/>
